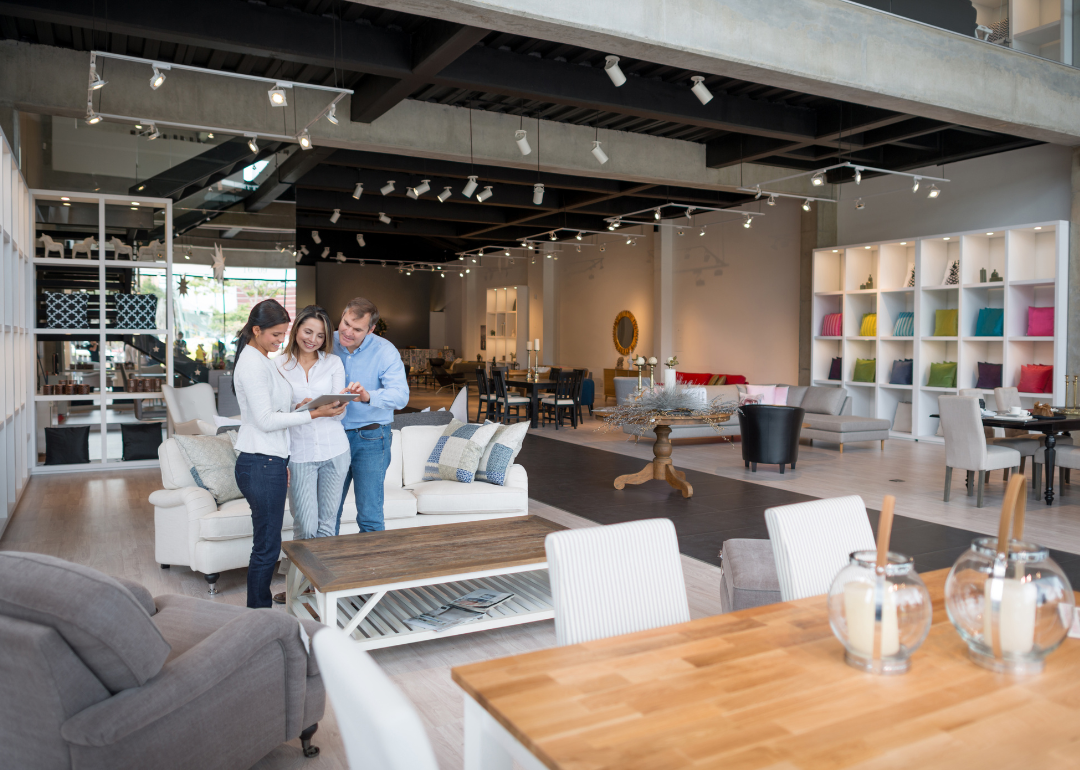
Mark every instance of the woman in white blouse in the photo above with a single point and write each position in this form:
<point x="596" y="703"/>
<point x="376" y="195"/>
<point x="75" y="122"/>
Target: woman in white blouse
<point x="266" y="415"/>
<point x="320" y="450"/>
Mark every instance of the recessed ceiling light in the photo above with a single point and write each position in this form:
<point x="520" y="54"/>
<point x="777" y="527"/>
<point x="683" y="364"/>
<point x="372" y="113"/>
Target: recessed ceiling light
<point x="867" y="248"/>
<point x="134" y="203"/>
<point x="903" y="243"/>
<point x="946" y="238"/>
<point x="989" y="233"/>
<point x="64" y="198"/>
<point x="835" y="251"/>
<point x="66" y="204"/>
<point x="1038" y="228"/>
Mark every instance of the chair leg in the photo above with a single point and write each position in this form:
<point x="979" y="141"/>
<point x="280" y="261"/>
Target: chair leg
<point x="164" y="566"/>
<point x="970" y="483"/>
<point x="1023" y="464"/>
<point x="753" y="467"/>
<point x="987" y="477"/>
<point x="211" y="580"/>
<point x="781" y="469"/>
<point x="1036" y="479"/>
<point x="948" y="482"/>
<point x="305" y="741"/>
<point x="1005" y="475"/>
<point x="982" y="481"/>
<point x="747" y="463"/>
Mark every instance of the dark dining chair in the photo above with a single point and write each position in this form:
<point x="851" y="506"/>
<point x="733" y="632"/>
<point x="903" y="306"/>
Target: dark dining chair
<point x="446" y="380"/>
<point x="580" y="375"/>
<point x="561" y="401"/>
<point x="504" y="402"/>
<point x="487" y="402"/>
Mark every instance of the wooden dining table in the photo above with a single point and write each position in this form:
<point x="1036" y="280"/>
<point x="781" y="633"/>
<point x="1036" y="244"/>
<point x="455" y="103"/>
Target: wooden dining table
<point x="533" y="388"/>
<point x="1051" y="429"/>
<point x="766" y="688"/>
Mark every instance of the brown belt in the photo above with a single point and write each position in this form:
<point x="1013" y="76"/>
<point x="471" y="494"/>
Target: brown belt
<point x="372" y="426"/>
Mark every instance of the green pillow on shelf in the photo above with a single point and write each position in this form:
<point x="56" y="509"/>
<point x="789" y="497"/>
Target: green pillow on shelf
<point x="946" y="323"/>
<point x="942" y="375"/>
<point x="865" y="370"/>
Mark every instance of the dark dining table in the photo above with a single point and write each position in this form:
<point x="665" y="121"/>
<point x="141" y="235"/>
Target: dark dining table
<point x="533" y="387"/>
<point x="1052" y="429"/>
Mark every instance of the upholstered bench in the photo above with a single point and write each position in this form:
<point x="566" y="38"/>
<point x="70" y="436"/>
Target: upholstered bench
<point x="748" y="575"/>
<point x="845" y="428"/>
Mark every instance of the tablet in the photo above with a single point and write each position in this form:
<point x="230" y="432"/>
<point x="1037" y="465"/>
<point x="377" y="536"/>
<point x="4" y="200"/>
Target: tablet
<point x="317" y="402"/>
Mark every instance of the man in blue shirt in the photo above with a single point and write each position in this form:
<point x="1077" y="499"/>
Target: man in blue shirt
<point x="373" y="369"/>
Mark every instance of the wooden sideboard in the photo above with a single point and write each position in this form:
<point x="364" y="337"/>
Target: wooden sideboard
<point x="609" y="380"/>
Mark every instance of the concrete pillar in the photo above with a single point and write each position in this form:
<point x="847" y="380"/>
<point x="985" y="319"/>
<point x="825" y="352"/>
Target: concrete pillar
<point x="1072" y="354"/>
<point x="549" y="340"/>
<point x="473" y="303"/>
<point x="817" y="229"/>
<point x="306" y="282"/>
<point x="663" y="299"/>
<point x="9" y="127"/>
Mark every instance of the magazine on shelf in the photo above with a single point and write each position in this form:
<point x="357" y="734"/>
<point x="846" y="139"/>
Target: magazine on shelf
<point x="465" y="609"/>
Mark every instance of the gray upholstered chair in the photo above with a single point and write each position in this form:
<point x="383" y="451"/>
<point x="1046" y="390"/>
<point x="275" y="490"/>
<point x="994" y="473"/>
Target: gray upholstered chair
<point x="1023" y="442"/>
<point x="1066" y="458"/>
<point x="747" y="575"/>
<point x="966" y="447"/>
<point x="95" y="673"/>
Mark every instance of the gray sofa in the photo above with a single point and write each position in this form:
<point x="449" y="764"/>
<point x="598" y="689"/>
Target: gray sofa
<point x="95" y="673"/>
<point x="828" y="414"/>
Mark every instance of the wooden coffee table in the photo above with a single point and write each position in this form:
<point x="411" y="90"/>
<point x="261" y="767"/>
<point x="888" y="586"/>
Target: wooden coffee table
<point x="370" y="582"/>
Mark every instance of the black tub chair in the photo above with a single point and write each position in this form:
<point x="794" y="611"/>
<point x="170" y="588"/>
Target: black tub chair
<point x="770" y="434"/>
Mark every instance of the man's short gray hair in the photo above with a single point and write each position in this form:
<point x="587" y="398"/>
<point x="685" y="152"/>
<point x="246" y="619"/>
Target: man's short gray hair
<point x="360" y="307"/>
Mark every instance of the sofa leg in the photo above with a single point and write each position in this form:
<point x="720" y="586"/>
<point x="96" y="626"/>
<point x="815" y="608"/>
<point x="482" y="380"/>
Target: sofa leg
<point x="164" y="566"/>
<point x="841" y="449"/>
<point x="212" y="579"/>
<point x="882" y="445"/>
<point x="305" y="741"/>
<point x="948" y="482"/>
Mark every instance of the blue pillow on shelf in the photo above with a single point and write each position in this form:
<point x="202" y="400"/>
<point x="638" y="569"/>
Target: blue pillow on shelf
<point x="905" y="325"/>
<point x="901" y="372"/>
<point x="991" y="322"/>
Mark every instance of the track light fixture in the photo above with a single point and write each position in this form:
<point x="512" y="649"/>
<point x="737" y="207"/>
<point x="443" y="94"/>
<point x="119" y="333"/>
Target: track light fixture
<point x="158" y="77"/>
<point x="915" y="184"/>
<point x="598" y="153"/>
<point x="934" y="191"/>
<point x="858" y="175"/>
<point x="771" y="201"/>
<point x="702" y="231"/>
<point x="154" y="133"/>
<point x="446" y="193"/>
<point x="611" y="67"/>
<point x="387" y="188"/>
<point x="304" y="250"/>
<point x="315" y="236"/>
<point x="92" y="118"/>
<point x="629" y="241"/>
<point x="484" y="194"/>
<point x="470" y="187"/>
<point x="331" y="114"/>
<point x="305" y="140"/>
<point x="551" y="235"/>
<point x="96" y="83"/>
<point x="384" y="219"/>
<point x="325" y="252"/>
<point x="507" y="252"/>
<point x="689" y="212"/>
<point x="538" y="194"/>
<point x="521" y="136"/>
<point x="360" y="240"/>
<point x="602" y="248"/>
<point x="411" y="192"/>
<point x="335" y="216"/>
<point x="806" y="205"/>
<point x="340" y="256"/>
<point x="656" y="214"/>
<point x="277" y="96"/>
<point x="680" y="231"/>
<point x="701" y="91"/>
<point x="859" y="205"/>
<point x="423" y="187"/>
<point x="748" y="223"/>
<point x="358" y="191"/>
<point x="578" y="236"/>
<point x="818" y="179"/>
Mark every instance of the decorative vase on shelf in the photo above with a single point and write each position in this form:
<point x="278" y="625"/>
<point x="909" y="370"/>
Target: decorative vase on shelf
<point x="995" y="277"/>
<point x="870" y="282"/>
<point x="982" y="275"/>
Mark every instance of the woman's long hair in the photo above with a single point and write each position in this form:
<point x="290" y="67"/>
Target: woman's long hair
<point x="292" y="348"/>
<point x="267" y="313"/>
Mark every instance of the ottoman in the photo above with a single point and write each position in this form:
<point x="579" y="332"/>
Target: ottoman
<point x="748" y="575"/>
<point x="845" y="428"/>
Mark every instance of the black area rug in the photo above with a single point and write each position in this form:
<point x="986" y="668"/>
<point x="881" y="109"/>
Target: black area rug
<point x="580" y="480"/>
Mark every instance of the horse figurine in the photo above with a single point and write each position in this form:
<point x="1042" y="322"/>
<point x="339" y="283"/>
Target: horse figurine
<point x="119" y="247"/>
<point x="51" y="245"/>
<point x="83" y="247"/>
<point x="151" y="250"/>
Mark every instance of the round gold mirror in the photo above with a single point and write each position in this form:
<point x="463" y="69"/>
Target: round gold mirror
<point x="625" y="333"/>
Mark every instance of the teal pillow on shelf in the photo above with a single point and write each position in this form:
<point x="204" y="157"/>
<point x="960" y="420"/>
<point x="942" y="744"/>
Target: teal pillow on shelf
<point x="905" y="324"/>
<point x="942" y="375"/>
<point x="865" y="370"/>
<point x="991" y="322"/>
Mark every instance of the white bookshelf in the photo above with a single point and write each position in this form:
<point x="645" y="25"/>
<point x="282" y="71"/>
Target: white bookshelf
<point x="1033" y="263"/>
<point x="506" y="325"/>
<point x="101" y="258"/>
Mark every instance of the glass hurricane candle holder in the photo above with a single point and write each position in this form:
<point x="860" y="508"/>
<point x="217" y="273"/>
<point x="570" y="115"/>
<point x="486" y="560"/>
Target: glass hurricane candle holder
<point x="881" y="619"/>
<point x="1013" y="611"/>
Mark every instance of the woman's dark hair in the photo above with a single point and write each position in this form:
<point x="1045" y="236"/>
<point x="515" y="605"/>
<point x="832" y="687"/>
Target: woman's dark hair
<point x="292" y="348"/>
<point x="267" y="313"/>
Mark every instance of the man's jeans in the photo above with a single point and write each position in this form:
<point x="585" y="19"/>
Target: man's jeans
<point x="370" y="451"/>
<point x="264" y="481"/>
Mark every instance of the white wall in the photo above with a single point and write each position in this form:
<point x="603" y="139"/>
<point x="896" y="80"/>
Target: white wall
<point x="1010" y="188"/>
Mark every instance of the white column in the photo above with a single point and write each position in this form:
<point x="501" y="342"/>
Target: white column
<point x="549" y="341"/>
<point x="471" y="315"/>
<point x="663" y="302"/>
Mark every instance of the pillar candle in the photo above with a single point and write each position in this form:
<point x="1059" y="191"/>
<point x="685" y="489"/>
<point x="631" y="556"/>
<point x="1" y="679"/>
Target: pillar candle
<point x="536" y="344"/>
<point x="1017" y="614"/>
<point x="669" y="378"/>
<point x="528" y="345"/>
<point x="859" y="613"/>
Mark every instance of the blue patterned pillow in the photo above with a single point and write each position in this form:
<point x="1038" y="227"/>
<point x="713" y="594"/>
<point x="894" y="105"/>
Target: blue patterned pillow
<point x="500" y="453"/>
<point x="458" y="451"/>
<point x="905" y="325"/>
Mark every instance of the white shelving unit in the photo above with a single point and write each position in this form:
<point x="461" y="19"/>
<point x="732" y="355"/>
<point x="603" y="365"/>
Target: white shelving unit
<point x="1033" y="263"/>
<point x="102" y="397"/>
<point x="506" y="324"/>
<point x="16" y="336"/>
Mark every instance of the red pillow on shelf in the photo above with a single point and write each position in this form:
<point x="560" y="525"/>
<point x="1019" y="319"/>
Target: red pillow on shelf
<point x="1036" y="379"/>
<point x="1040" y="323"/>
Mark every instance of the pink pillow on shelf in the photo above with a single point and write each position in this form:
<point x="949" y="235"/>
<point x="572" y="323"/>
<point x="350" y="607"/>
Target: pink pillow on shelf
<point x="766" y="393"/>
<point x="1040" y="322"/>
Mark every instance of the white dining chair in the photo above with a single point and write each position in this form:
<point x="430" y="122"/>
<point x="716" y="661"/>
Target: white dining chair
<point x="966" y="447"/>
<point x="379" y="725"/>
<point x="615" y="579"/>
<point x="1023" y="442"/>
<point x="812" y="542"/>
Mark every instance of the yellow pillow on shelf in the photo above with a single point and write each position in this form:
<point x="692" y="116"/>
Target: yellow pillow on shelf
<point x="869" y="325"/>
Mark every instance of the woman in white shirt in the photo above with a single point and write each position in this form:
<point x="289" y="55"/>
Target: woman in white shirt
<point x="320" y="450"/>
<point x="266" y="414"/>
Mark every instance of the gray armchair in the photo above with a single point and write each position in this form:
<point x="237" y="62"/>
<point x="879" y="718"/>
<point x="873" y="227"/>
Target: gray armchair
<point x="95" y="673"/>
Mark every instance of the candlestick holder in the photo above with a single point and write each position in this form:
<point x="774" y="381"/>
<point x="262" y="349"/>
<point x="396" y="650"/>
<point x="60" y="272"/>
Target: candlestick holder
<point x="530" y="375"/>
<point x="640" y="369"/>
<point x="652" y="375"/>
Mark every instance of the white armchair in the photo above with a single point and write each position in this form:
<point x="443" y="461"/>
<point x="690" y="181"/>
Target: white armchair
<point x="192" y="410"/>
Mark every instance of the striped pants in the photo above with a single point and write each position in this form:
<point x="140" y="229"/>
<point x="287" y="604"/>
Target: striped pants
<point x="315" y="496"/>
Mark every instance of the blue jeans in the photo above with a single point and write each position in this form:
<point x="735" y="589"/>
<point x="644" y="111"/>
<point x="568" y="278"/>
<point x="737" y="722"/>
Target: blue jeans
<point x="264" y="482"/>
<point x="370" y="451"/>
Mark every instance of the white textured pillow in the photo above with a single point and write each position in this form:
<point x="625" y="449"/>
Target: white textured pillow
<point x="458" y="451"/>
<point x="500" y="452"/>
<point x="213" y="465"/>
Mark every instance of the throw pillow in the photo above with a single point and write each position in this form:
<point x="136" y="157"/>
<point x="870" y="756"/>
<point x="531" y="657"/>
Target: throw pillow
<point x="991" y="322"/>
<point x="140" y="440"/>
<point x="901" y="372"/>
<point x="836" y="369"/>
<point x="1036" y="379"/>
<point x="500" y="453"/>
<point x="905" y="324"/>
<point x="832" y="325"/>
<point x="869" y="325"/>
<point x="767" y="393"/>
<point x="136" y="311"/>
<point x="457" y="453"/>
<point x="822" y="399"/>
<point x="902" y="418"/>
<point x="865" y="370"/>
<point x="1040" y="324"/>
<point x="714" y="380"/>
<point x="946" y="323"/>
<point x="746" y="398"/>
<point x="780" y="395"/>
<point x="66" y="311"/>
<point x="68" y="445"/>
<point x="989" y="376"/>
<point x="213" y="465"/>
<point x="942" y="375"/>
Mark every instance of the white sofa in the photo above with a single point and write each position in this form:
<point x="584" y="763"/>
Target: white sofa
<point x="190" y="529"/>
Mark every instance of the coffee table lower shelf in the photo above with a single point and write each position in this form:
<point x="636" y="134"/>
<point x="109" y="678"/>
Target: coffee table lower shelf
<point x="376" y="617"/>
